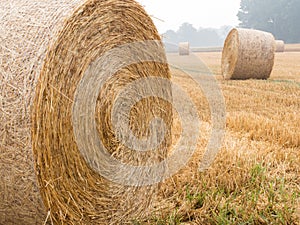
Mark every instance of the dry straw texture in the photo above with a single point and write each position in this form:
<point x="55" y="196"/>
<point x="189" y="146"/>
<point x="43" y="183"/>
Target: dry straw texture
<point x="248" y="54"/>
<point x="280" y="46"/>
<point x="184" y="48"/>
<point x="45" y="48"/>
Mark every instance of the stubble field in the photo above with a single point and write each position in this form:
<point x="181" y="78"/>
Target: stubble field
<point x="255" y="178"/>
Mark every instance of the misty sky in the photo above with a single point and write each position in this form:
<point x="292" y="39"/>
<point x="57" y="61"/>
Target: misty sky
<point x="200" y="13"/>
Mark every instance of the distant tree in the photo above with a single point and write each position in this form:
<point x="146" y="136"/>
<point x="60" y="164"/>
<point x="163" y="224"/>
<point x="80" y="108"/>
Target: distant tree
<point x="171" y="40"/>
<point x="171" y="36"/>
<point x="203" y="37"/>
<point x="208" y="37"/>
<point x="280" y="17"/>
<point x="187" y="32"/>
<point x="293" y="19"/>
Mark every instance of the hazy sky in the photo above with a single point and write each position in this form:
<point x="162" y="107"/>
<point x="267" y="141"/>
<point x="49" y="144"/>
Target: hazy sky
<point x="200" y="13"/>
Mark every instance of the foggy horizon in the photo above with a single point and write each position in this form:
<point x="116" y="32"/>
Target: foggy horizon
<point x="170" y="15"/>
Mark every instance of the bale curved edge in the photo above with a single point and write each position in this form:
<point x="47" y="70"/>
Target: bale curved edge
<point x="46" y="49"/>
<point x="248" y="54"/>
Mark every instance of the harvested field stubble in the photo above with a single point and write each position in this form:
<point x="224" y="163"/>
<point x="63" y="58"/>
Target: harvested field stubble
<point x="255" y="178"/>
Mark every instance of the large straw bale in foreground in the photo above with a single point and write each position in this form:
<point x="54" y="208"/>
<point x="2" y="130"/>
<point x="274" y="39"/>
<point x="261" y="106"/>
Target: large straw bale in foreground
<point x="248" y="54"/>
<point x="45" y="48"/>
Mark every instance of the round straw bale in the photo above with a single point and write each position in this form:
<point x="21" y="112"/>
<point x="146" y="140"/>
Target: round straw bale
<point x="248" y="54"/>
<point x="280" y="46"/>
<point x="46" y="47"/>
<point x="184" y="48"/>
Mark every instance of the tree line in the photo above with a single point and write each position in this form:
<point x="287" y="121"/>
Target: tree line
<point x="279" y="17"/>
<point x="202" y="37"/>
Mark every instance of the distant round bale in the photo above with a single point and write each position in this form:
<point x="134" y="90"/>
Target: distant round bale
<point x="248" y="54"/>
<point x="184" y="48"/>
<point x="280" y="46"/>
